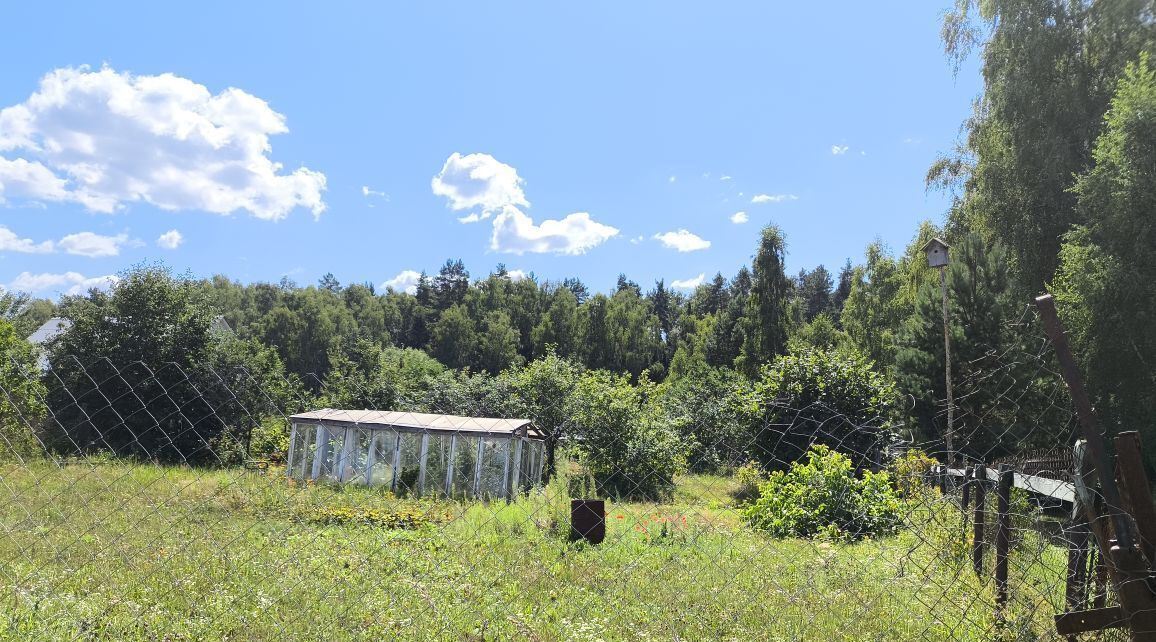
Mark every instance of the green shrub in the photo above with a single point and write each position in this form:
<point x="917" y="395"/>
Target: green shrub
<point x="404" y="518"/>
<point x="823" y="497"/>
<point x="836" y="398"/>
<point x="749" y="477"/>
<point x="621" y="439"/>
<point x="909" y="470"/>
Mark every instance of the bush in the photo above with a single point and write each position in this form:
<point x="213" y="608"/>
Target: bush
<point x="835" y="398"/>
<point x="749" y="477"/>
<point x="909" y="470"/>
<point x="823" y="497"/>
<point x="621" y="440"/>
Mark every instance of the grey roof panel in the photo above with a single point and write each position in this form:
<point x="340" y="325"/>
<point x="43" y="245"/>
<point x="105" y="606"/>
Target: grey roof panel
<point x="417" y="421"/>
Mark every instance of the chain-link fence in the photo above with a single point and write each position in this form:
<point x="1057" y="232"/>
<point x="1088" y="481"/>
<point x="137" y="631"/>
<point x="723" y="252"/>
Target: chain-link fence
<point x="157" y="501"/>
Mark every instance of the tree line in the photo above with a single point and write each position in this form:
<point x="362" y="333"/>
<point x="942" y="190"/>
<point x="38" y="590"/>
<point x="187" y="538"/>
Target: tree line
<point x="1052" y="190"/>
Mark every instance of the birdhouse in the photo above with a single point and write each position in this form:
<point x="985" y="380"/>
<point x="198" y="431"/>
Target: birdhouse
<point x="936" y="252"/>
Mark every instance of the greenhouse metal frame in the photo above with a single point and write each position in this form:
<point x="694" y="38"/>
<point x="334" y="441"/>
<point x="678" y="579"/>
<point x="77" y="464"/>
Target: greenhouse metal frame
<point x="418" y="453"/>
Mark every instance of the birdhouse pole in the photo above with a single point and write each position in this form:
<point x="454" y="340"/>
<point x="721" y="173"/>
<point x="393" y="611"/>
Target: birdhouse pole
<point x="947" y="365"/>
<point x="937" y="257"/>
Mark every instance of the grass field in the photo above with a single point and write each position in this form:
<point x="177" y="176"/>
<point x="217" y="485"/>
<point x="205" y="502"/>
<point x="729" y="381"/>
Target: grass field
<point x="136" y="552"/>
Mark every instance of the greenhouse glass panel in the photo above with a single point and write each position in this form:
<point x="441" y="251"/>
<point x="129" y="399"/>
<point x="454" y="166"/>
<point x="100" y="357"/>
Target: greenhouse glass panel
<point x="409" y="465"/>
<point x="383" y="443"/>
<point x="493" y="468"/>
<point x="358" y="454"/>
<point x="526" y="475"/>
<point x="436" y="464"/>
<point x="303" y="436"/>
<point x="465" y="460"/>
<point x="333" y="442"/>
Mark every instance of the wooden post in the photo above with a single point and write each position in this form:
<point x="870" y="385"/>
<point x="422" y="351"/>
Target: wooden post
<point x="1002" y="534"/>
<point x="978" y="522"/>
<point x="1076" y="595"/>
<point x="965" y="492"/>
<point x="1127" y="564"/>
<point x="1136" y="493"/>
<point x="965" y="497"/>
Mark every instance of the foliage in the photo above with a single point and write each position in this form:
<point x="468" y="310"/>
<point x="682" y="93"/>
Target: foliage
<point x="403" y="518"/>
<point x="1049" y="72"/>
<point x="909" y="469"/>
<point x="767" y="322"/>
<point x="835" y="398"/>
<point x="542" y="390"/>
<point x="1004" y="396"/>
<point x="822" y="497"/>
<point x="705" y="409"/>
<point x="367" y="375"/>
<point x="749" y="477"/>
<point x="621" y="439"/>
<point x="141" y="373"/>
<point x="1106" y="285"/>
<point x="21" y="404"/>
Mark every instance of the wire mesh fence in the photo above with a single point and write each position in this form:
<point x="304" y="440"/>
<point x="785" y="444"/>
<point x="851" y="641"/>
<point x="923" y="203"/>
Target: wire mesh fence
<point x="206" y="501"/>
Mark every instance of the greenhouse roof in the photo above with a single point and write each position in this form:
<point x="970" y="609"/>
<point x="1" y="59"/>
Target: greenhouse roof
<point x="418" y="421"/>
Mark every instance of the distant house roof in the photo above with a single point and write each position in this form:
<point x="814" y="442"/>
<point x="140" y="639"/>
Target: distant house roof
<point x="418" y="422"/>
<point x="49" y="330"/>
<point x="220" y="325"/>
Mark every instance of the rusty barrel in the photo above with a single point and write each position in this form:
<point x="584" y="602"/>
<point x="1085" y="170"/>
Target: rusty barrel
<point x="588" y="520"/>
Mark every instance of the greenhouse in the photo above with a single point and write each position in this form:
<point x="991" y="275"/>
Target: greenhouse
<point x="417" y="453"/>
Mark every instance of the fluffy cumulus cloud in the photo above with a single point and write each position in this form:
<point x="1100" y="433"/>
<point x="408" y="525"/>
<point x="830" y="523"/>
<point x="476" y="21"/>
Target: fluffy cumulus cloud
<point x="405" y="281"/>
<point x="773" y="198"/>
<point x="516" y="233"/>
<point x="491" y="188"/>
<point x="688" y="284"/>
<point x="170" y="240"/>
<point x="479" y="181"/>
<point x="682" y="240"/>
<point x="11" y="242"/>
<point x="71" y="283"/>
<point x="517" y="275"/>
<point x="106" y="138"/>
<point x="738" y="218"/>
<point x="92" y="245"/>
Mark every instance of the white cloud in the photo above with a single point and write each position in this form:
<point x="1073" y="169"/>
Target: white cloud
<point x="367" y="192"/>
<point x="738" y="218"/>
<point x="10" y="242"/>
<point x="170" y="240"/>
<point x="481" y="181"/>
<point x="773" y="198"/>
<point x="672" y="179"/>
<point x="104" y="139"/>
<point x="516" y="233"/>
<point x="688" y="284"/>
<point x="638" y="239"/>
<point x="682" y="240"/>
<point x="405" y="281"/>
<point x="839" y="150"/>
<point x="495" y="189"/>
<point x="67" y="282"/>
<point x="92" y="245"/>
<point x="724" y="178"/>
<point x="517" y="275"/>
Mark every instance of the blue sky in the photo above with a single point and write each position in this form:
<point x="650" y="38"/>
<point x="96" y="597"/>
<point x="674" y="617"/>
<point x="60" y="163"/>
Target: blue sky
<point x="260" y="140"/>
